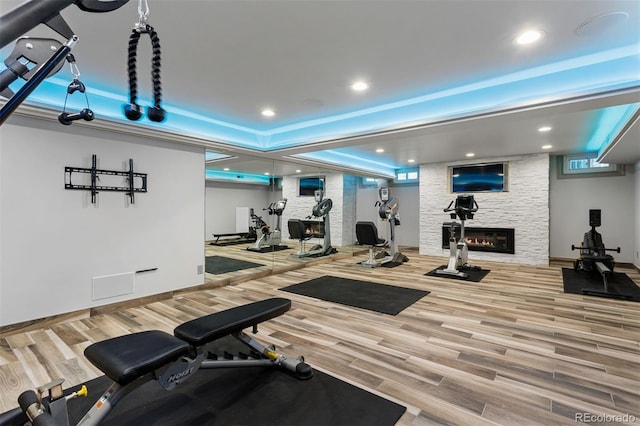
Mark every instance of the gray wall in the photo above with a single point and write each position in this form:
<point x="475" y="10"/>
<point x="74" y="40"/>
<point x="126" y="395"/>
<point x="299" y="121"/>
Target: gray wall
<point x="57" y="247"/>
<point x="570" y="201"/>
<point x="409" y="209"/>
<point x="222" y="198"/>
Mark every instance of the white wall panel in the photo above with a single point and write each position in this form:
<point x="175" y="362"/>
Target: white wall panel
<point x="54" y="240"/>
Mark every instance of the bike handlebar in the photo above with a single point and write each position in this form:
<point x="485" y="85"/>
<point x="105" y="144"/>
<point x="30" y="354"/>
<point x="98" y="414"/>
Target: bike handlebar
<point x="465" y="209"/>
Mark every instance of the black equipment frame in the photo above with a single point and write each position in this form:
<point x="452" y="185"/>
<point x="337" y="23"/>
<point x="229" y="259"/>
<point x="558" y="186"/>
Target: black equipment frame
<point x="27" y="16"/>
<point x="95" y="172"/>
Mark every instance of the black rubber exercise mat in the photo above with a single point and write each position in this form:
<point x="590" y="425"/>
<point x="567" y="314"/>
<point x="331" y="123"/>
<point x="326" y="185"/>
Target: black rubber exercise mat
<point x="221" y="265"/>
<point x="246" y="396"/>
<point x="474" y="275"/>
<point x="384" y="298"/>
<point x="619" y="284"/>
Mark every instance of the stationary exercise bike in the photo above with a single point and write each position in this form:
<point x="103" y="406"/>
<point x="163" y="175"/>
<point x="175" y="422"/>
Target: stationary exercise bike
<point x="300" y="229"/>
<point x="367" y="233"/>
<point x="269" y="239"/>
<point x="465" y="207"/>
<point x="388" y="210"/>
<point x="593" y="258"/>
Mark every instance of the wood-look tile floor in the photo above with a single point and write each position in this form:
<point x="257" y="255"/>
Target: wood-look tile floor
<point x="512" y="349"/>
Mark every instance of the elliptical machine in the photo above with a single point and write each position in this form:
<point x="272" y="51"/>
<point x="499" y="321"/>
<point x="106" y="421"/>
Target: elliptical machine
<point x="388" y="210"/>
<point x="298" y="228"/>
<point x="269" y="239"/>
<point x="465" y="207"/>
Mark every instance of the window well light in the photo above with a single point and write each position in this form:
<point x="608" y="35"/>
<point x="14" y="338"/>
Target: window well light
<point x="545" y="129"/>
<point x="528" y="37"/>
<point x="359" y="86"/>
<point x="379" y="150"/>
<point x="547" y="146"/>
<point x="268" y="112"/>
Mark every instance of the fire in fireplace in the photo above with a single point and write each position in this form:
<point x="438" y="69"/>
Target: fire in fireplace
<point x="496" y="240"/>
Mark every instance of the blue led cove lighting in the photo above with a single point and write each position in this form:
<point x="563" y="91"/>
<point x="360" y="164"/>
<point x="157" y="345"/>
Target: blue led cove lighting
<point x="608" y="70"/>
<point x="237" y="177"/>
<point x="610" y="122"/>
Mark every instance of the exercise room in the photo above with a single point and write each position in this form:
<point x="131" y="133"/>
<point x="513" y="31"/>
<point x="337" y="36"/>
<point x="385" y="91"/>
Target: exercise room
<point x="319" y="213"/>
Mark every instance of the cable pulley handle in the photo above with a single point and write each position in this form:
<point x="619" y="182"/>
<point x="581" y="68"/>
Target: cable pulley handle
<point x="449" y="209"/>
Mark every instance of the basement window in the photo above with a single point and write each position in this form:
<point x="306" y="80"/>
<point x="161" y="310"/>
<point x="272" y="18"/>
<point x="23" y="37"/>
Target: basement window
<point x="586" y="165"/>
<point x="407" y="176"/>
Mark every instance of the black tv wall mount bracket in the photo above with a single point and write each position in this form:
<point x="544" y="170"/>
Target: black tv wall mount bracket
<point x="129" y="187"/>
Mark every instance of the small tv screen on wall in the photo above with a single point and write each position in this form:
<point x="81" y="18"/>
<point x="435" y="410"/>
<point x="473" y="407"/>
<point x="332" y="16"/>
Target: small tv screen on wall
<point x="479" y="177"/>
<point x="307" y="185"/>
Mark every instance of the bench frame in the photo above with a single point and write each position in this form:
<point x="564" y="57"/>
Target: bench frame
<point x="186" y="355"/>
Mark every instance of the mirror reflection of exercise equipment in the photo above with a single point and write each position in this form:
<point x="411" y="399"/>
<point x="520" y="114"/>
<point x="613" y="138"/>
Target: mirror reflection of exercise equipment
<point x="367" y="233"/>
<point x="269" y="239"/>
<point x="303" y="230"/>
<point x="593" y="258"/>
<point x="464" y="208"/>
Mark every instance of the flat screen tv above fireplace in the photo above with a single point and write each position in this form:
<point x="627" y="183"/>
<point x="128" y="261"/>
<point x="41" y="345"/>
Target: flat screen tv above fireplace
<point x="479" y="177"/>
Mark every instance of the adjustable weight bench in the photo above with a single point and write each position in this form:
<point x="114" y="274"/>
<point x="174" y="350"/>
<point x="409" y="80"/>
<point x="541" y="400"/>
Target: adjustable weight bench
<point x="134" y="359"/>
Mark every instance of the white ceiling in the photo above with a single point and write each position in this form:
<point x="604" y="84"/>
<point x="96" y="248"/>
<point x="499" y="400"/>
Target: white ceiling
<point x="229" y="59"/>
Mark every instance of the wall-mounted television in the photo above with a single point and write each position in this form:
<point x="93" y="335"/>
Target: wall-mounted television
<point x="307" y="185"/>
<point x="479" y="177"/>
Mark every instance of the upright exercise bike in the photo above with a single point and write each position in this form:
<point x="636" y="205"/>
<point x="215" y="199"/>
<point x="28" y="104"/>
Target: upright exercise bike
<point x="464" y="208"/>
<point x="269" y="239"/>
<point x="388" y="210"/>
<point x="298" y="228"/>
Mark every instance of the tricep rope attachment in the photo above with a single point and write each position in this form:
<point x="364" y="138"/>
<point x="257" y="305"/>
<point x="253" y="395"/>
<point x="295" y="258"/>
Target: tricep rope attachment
<point x="133" y="111"/>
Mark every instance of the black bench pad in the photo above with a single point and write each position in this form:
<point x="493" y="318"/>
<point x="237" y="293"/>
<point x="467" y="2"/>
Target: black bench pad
<point x="211" y="327"/>
<point x="128" y="357"/>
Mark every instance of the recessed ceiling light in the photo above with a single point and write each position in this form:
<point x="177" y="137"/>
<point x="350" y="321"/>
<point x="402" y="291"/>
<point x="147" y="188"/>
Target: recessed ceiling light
<point x="379" y="150"/>
<point x="359" y="86"/>
<point x="268" y="112"/>
<point x="602" y="23"/>
<point x="298" y="171"/>
<point x="267" y="173"/>
<point x="470" y="154"/>
<point x="528" y="37"/>
<point x="411" y="160"/>
<point x="226" y="169"/>
<point x="547" y="146"/>
<point x="544" y="128"/>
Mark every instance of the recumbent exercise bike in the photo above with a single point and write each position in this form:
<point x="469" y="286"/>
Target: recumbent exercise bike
<point x="269" y="239"/>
